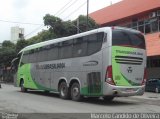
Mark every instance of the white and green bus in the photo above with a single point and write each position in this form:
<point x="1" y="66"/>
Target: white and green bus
<point x="105" y="62"/>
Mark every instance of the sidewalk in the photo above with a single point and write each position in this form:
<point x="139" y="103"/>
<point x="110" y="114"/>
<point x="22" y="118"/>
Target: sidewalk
<point x="149" y="96"/>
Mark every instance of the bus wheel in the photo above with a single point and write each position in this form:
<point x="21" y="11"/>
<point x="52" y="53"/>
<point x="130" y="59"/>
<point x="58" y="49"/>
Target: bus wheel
<point x="157" y="90"/>
<point x="46" y="91"/>
<point x="63" y="90"/>
<point x="75" y="92"/>
<point x="108" y="98"/>
<point x="23" y="89"/>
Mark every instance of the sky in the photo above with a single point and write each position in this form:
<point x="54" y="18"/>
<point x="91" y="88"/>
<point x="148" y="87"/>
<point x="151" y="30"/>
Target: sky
<point x="28" y="14"/>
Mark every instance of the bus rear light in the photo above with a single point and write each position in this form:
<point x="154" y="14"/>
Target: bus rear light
<point x="144" y="77"/>
<point x="110" y="81"/>
<point x="109" y="76"/>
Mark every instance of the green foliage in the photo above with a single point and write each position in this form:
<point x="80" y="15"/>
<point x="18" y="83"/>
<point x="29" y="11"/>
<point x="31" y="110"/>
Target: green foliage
<point x="8" y="44"/>
<point x="21" y="44"/>
<point x="6" y="56"/>
<point x="51" y="20"/>
<point x="66" y="28"/>
<point x="9" y="51"/>
<point x="42" y="36"/>
<point x="83" y="23"/>
<point x="55" y="25"/>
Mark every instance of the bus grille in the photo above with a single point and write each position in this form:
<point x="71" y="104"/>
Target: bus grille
<point x="94" y="82"/>
<point x="128" y="60"/>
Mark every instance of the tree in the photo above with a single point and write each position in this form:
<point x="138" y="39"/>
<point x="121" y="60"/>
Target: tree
<point x="8" y="44"/>
<point x="7" y="53"/>
<point x="66" y="28"/>
<point x="83" y="23"/>
<point x="60" y="28"/>
<point x="42" y="36"/>
<point x="21" y="44"/>
<point x="55" y="25"/>
<point x="6" y="56"/>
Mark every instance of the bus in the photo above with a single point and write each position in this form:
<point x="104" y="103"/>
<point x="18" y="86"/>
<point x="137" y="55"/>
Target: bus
<point x="106" y="62"/>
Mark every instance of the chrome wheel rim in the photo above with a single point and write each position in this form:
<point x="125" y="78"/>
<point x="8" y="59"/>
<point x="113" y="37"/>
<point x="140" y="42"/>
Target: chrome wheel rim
<point x="75" y="91"/>
<point x="63" y="90"/>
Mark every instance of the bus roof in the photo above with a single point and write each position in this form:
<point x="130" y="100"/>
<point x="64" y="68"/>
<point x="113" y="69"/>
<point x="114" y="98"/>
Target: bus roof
<point x="37" y="45"/>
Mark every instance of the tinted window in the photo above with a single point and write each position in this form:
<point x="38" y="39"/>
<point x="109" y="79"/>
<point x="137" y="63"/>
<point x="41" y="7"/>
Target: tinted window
<point x="154" y="24"/>
<point x="95" y="43"/>
<point x="25" y="58"/>
<point x="77" y="47"/>
<point x="65" y="49"/>
<point x="42" y="54"/>
<point x="128" y="38"/>
<point x="53" y="52"/>
<point x="80" y="47"/>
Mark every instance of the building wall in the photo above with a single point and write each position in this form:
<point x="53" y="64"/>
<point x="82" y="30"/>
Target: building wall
<point x="153" y="44"/>
<point x="153" y="67"/>
<point x="153" y="72"/>
<point x="16" y="34"/>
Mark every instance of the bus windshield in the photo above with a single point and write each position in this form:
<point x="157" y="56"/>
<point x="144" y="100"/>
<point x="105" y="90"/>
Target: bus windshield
<point x="127" y="38"/>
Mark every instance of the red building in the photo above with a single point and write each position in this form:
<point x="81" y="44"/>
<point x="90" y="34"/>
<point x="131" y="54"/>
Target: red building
<point x="143" y="15"/>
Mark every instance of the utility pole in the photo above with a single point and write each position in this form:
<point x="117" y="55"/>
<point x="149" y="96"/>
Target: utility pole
<point x="87" y="14"/>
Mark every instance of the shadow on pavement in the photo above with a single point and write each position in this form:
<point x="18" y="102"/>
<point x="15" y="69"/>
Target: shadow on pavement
<point x="95" y="101"/>
<point x="36" y="92"/>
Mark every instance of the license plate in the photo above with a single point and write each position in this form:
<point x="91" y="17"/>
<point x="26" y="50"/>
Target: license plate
<point x="129" y="90"/>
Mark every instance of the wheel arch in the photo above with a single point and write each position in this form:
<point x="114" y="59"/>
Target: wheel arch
<point x="74" y="79"/>
<point x="21" y="79"/>
<point x="62" y="79"/>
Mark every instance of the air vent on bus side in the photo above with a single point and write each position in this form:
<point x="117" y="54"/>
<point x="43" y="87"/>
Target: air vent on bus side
<point x="94" y="82"/>
<point x="128" y="60"/>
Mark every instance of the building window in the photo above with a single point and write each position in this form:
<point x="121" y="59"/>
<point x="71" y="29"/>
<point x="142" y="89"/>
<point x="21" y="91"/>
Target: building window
<point x="141" y="26"/>
<point x="152" y="63"/>
<point x="159" y="24"/>
<point x="147" y="27"/>
<point x="154" y="24"/>
<point x="150" y="25"/>
<point x="135" y="25"/>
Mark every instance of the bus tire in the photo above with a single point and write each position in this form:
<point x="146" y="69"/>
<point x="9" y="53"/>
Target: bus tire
<point x="108" y="98"/>
<point x="156" y="90"/>
<point x="23" y="89"/>
<point x="75" y="92"/>
<point x="63" y="90"/>
<point x="46" y="91"/>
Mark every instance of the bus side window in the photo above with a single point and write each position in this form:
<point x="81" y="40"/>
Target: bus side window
<point x="95" y="43"/>
<point x="36" y="54"/>
<point x="32" y="56"/>
<point x="53" y="52"/>
<point x="80" y="47"/>
<point x="39" y="55"/>
<point x="66" y="49"/>
<point x="25" y="58"/>
<point x="43" y="53"/>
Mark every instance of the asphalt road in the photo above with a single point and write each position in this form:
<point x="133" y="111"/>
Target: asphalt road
<point x="12" y="100"/>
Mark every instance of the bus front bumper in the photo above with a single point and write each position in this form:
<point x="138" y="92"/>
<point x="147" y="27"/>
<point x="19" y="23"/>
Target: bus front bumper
<point x="123" y="91"/>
